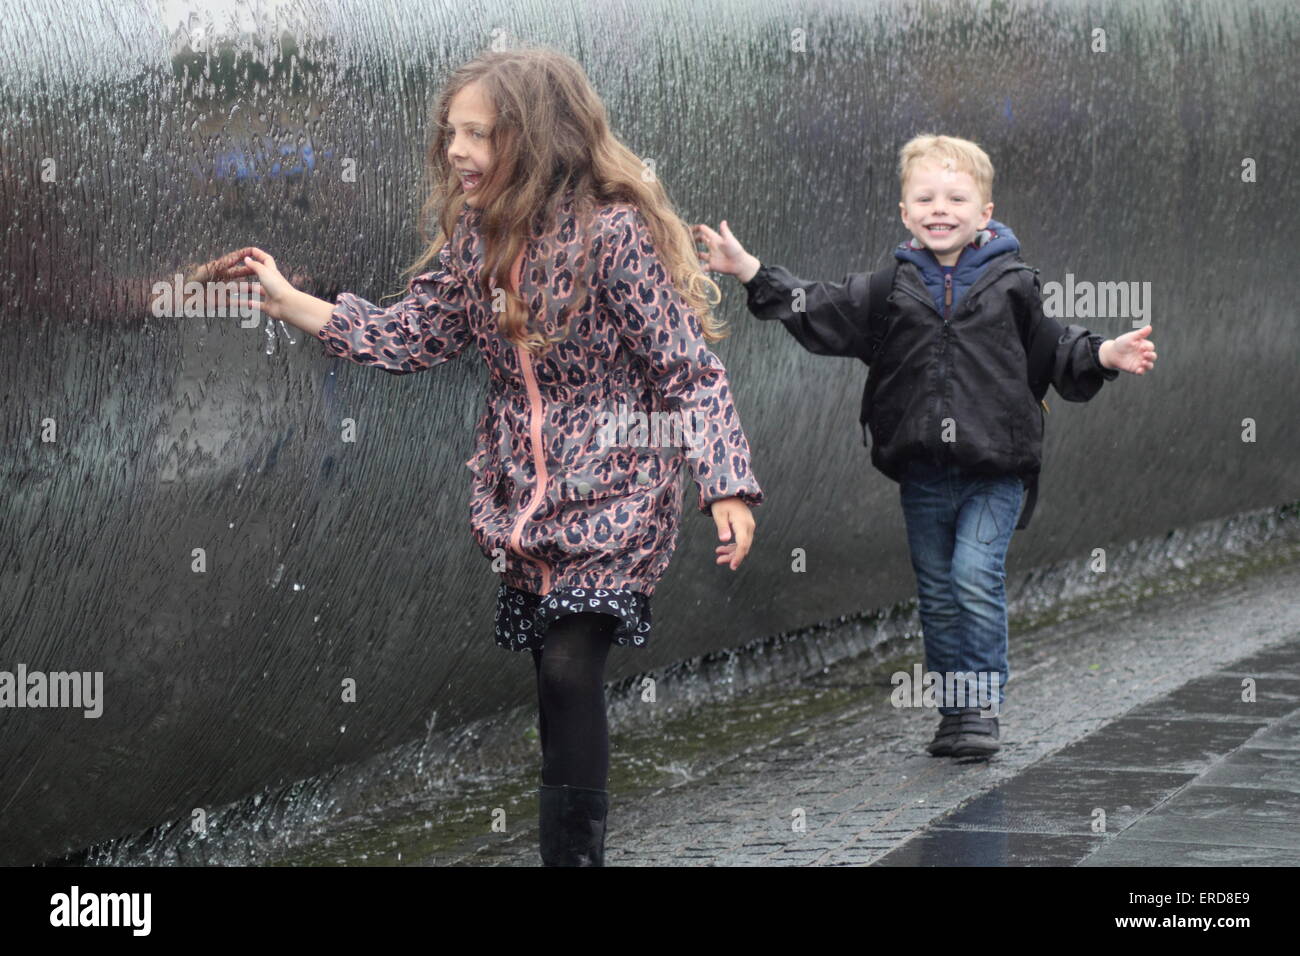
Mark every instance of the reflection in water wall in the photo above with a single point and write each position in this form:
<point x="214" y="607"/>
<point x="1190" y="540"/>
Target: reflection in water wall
<point x="130" y="147"/>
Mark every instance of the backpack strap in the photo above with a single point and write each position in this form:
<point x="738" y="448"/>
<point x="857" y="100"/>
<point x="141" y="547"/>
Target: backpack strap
<point x="1031" y="499"/>
<point x="879" y="286"/>
<point x="1040" y="355"/>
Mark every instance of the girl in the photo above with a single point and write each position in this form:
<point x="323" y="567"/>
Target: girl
<point x="579" y="285"/>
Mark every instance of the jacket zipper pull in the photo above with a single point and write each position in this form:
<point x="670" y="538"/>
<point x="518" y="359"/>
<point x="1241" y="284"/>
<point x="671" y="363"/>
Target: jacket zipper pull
<point x="947" y="295"/>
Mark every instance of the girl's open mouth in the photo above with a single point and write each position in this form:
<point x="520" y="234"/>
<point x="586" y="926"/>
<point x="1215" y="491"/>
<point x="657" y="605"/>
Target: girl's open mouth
<point x="469" y="180"/>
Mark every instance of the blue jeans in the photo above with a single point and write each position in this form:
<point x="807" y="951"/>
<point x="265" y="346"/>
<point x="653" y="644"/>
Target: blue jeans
<point x="958" y="527"/>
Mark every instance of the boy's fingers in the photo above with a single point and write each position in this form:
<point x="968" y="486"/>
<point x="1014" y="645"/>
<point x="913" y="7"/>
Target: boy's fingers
<point x="709" y="236"/>
<point x="733" y="244"/>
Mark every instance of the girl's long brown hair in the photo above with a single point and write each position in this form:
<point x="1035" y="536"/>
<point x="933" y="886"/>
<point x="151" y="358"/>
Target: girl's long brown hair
<point x="550" y="138"/>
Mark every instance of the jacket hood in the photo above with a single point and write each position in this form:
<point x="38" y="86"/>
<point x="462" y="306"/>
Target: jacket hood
<point x="989" y="243"/>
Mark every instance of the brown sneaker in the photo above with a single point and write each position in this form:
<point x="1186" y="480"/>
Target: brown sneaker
<point x="949" y="726"/>
<point x="977" y="735"/>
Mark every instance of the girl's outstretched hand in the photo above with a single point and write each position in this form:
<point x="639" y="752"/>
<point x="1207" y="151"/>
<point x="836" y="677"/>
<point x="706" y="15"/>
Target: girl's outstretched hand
<point x="227" y="268"/>
<point x="725" y="253"/>
<point x="272" y="293"/>
<point x="736" y="526"/>
<point x="1130" y="352"/>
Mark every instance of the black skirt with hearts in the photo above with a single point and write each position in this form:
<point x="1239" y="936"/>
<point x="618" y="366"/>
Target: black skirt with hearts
<point x="522" y="617"/>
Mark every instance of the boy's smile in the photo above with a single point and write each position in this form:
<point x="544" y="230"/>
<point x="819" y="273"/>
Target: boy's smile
<point x="469" y="150"/>
<point x="940" y="207"/>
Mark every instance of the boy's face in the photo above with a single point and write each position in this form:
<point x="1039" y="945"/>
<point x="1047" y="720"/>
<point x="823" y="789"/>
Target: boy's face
<point x="469" y="148"/>
<point x="938" y="195"/>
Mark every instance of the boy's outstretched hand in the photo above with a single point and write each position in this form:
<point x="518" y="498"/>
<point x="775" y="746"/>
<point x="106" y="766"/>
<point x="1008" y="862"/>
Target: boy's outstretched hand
<point x="725" y="253"/>
<point x="736" y="526"/>
<point x="1130" y="352"/>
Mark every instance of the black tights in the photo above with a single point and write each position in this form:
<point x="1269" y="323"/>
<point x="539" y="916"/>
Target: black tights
<point x="571" y="700"/>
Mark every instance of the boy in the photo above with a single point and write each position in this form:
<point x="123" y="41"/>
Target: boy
<point x="959" y="354"/>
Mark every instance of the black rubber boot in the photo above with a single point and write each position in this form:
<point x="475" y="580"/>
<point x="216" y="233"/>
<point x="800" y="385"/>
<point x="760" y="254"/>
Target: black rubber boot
<point x="941" y="745"/>
<point x="977" y="735"/>
<point x="572" y="824"/>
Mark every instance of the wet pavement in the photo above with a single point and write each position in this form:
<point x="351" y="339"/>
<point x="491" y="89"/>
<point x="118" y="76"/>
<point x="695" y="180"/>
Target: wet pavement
<point x="1199" y="777"/>
<point x="1125" y="741"/>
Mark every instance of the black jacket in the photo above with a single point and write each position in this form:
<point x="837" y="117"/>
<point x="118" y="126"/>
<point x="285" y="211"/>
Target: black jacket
<point x="961" y="390"/>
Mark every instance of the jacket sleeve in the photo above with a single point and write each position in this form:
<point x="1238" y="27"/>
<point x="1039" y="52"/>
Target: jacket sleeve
<point x="1068" y="358"/>
<point x="663" y="332"/>
<point x="833" y="319"/>
<point x="426" y="328"/>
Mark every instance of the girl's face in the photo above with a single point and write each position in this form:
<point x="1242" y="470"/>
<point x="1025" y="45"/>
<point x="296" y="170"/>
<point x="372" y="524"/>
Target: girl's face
<point x="941" y="209"/>
<point x="469" y="149"/>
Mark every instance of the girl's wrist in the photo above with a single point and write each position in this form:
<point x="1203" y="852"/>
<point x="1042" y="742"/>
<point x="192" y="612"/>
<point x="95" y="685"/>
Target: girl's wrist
<point x="1104" y="352"/>
<point x="307" y="312"/>
<point x="748" y="269"/>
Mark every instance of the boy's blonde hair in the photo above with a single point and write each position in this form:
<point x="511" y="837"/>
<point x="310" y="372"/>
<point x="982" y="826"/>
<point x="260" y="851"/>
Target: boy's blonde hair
<point x="964" y="155"/>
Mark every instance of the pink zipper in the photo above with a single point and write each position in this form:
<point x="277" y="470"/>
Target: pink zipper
<point x="535" y="436"/>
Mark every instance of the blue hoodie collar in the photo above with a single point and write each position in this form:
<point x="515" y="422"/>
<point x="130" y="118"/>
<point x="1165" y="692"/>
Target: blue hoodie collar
<point x="994" y="240"/>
